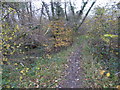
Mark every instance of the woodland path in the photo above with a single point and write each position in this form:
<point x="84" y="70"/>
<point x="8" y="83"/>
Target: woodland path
<point x="73" y="77"/>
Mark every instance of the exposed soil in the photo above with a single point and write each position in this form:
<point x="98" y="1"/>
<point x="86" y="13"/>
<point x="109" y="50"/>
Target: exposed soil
<point x="73" y="76"/>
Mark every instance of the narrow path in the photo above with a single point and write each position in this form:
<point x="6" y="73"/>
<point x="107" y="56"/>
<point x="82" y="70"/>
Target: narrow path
<point x="73" y="74"/>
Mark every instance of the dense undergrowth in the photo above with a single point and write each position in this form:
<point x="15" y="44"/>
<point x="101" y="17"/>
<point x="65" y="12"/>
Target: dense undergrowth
<point x="31" y="63"/>
<point x="99" y="71"/>
<point x="45" y="72"/>
<point x="100" y="50"/>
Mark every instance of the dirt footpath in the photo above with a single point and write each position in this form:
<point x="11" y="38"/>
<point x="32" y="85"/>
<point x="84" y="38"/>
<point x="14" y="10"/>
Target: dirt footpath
<point x="73" y="77"/>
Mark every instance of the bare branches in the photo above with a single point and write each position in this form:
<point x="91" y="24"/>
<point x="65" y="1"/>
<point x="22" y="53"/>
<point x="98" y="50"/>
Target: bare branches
<point x="72" y="8"/>
<point x="81" y="11"/>
<point x="47" y="9"/>
<point x="86" y="15"/>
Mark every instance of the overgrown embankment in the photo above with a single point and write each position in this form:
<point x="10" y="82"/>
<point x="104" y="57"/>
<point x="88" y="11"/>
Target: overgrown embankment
<point x="99" y="72"/>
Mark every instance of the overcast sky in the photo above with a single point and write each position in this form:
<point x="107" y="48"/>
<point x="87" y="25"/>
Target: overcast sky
<point x="78" y="2"/>
<point x="37" y="3"/>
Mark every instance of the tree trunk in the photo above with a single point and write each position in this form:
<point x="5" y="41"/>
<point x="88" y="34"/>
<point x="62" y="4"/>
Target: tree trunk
<point x="66" y="12"/>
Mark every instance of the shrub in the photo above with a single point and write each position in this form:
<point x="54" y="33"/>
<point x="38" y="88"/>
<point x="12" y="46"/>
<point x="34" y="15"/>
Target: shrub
<point x="61" y="34"/>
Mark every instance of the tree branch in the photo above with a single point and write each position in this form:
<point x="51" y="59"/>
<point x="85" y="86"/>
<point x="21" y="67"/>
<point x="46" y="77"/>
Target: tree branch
<point x="86" y="15"/>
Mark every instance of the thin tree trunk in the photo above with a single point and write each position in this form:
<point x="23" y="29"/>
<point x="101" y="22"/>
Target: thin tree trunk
<point x="72" y="8"/>
<point x="30" y="11"/>
<point x="27" y="8"/>
<point x="81" y="11"/>
<point x="66" y="12"/>
<point x="23" y="17"/>
<point x="41" y="13"/>
<point x="47" y="11"/>
<point x="52" y="9"/>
